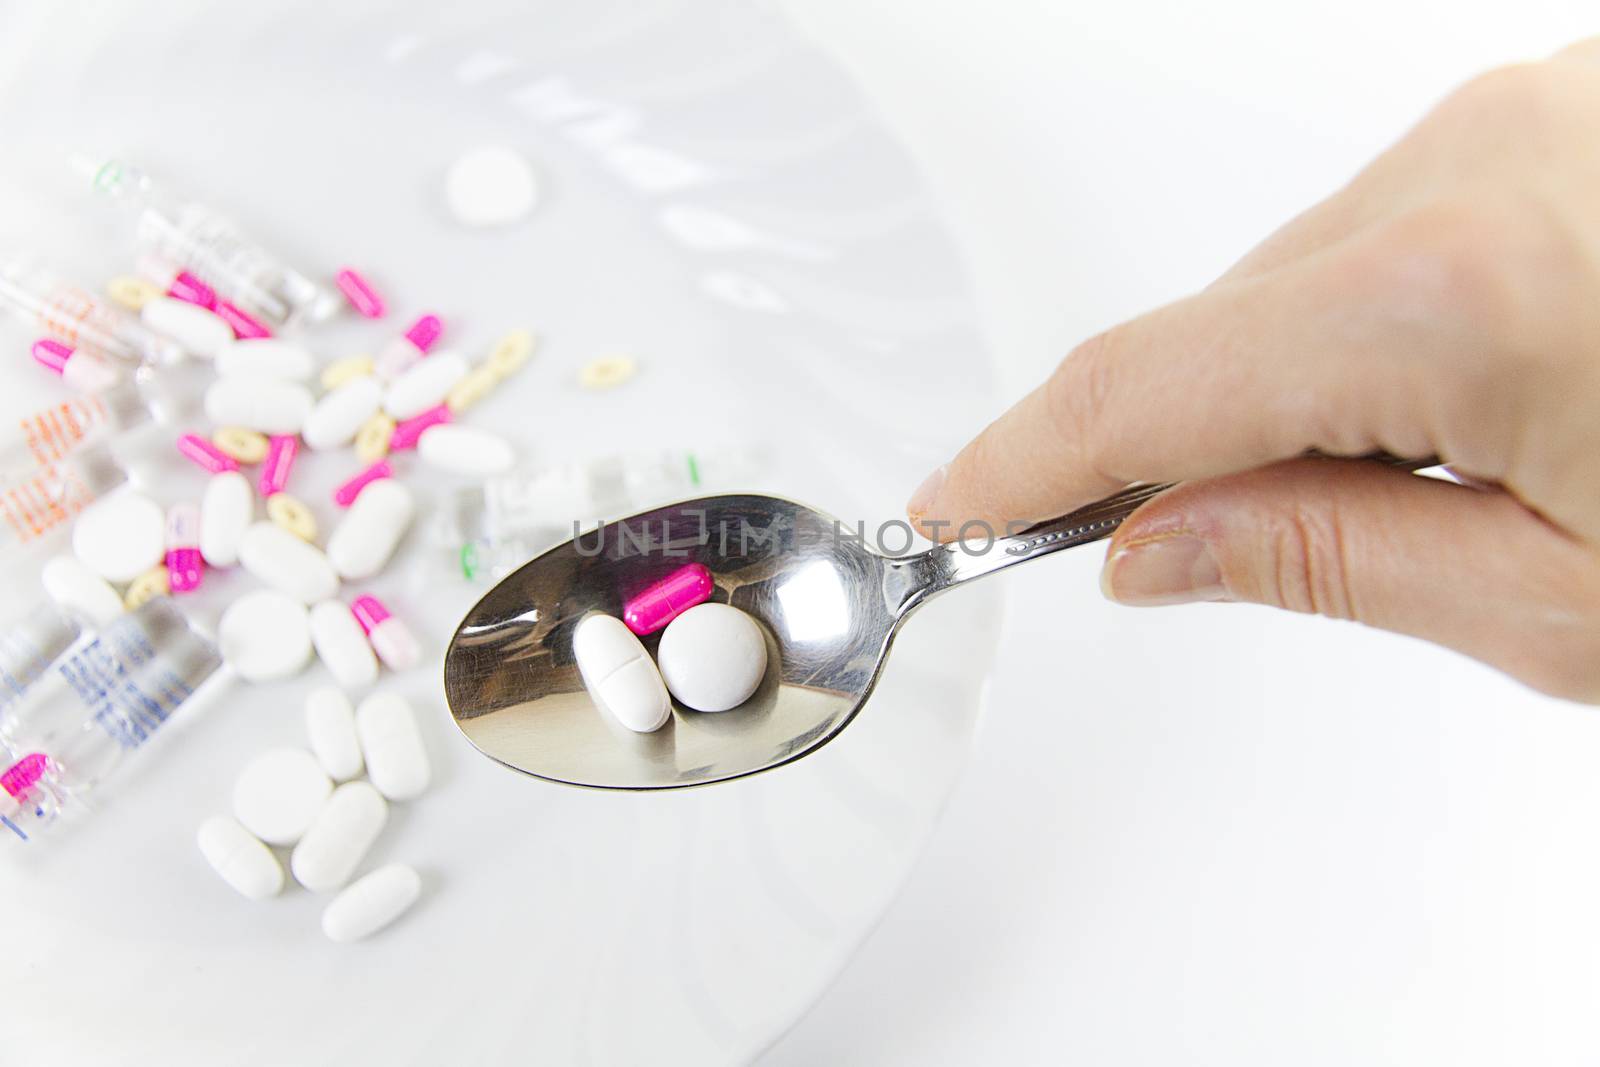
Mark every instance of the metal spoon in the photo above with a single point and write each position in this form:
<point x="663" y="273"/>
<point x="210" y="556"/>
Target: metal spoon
<point x="830" y="607"/>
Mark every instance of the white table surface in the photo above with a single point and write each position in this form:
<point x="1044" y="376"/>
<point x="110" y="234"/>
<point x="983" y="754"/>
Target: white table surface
<point x="1211" y="834"/>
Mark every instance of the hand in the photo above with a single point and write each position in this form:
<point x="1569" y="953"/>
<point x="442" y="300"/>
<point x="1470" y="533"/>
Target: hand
<point x="1446" y="302"/>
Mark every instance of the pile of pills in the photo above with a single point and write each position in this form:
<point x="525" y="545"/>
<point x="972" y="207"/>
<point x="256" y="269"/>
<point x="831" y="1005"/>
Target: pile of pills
<point x="315" y="806"/>
<point x="711" y="657"/>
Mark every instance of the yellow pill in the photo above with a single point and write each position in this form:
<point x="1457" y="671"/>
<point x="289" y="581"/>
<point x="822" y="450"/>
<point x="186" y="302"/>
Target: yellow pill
<point x="145" y="588"/>
<point x="478" y="383"/>
<point x="607" y="373"/>
<point x="510" y="352"/>
<point x="372" y="440"/>
<point x="245" y="446"/>
<point x="133" y="292"/>
<point x="343" y="370"/>
<point x="292" y="515"/>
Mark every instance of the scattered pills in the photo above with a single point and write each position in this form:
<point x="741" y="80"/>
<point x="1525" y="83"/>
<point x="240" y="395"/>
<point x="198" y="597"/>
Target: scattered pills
<point x="490" y="186"/>
<point x="265" y="635"/>
<point x="619" y="675"/>
<point x="227" y="507"/>
<point x="663" y="601"/>
<point x="367" y="536"/>
<point x="244" y="325"/>
<point x="120" y="536"/>
<point x="465" y="450"/>
<point x="607" y="372"/>
<point x="343" y="370"/>
<point x="293" y="515"/>
<point x="511" y="352"/>
<point x="239" y="858"/>
<point x="133" y="292"/>
<point x="362" y="296"/>
<point x="342" y="646"/>
<point x="331" y="727"/>
<point x="371" y="902"/>
<point x="265" y="357"/>
<point x="278" y="462"/>
<point x="712" y="657"/>
<point x="198" y="331"/>
<point x="391" y="638"/>
<point x="244" y="446"/>
<point x="185" y="569"/>
<point x="407" y="433"/>
<point x="403" y="353"/>
<point x="397" y="762"/>
<point x="205" y="454"/>
<point x="341" y="413"/>
<point x="346" y="827"/>
<point x="372" y="440"/>
<point x="477" y="384"/>
<point x="287" y="564"/>
<point x="424" y="385"/>
<point x="79" y="591"/>
<point x="279" y="795"/>
<point x="78" y="369"/>
<point x="267" y="405"/>
<point x="156" y="581"/>
<point x="346" y="493"/>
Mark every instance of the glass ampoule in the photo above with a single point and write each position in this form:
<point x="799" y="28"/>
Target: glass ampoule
<point x="69" y="314"/>
<point x="29" y="644"/>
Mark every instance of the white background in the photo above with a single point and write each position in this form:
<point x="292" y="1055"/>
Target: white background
<point x="1209" y="834"/>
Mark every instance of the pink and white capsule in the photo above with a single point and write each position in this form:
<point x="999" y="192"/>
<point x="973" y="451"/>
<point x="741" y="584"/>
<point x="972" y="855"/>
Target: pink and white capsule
<point x="401" y="354"/>
<point x="205" y="455"/>
<point x="346" y="494"/>
<point x="390" y="638"/>
<point x="184" y="566"/>
<point x="281" y="452"/>
<point x="362" y="296"/>
<point x="406" y="434"/>
<point x="665" y="600"/>
<point x="83" y="371"/>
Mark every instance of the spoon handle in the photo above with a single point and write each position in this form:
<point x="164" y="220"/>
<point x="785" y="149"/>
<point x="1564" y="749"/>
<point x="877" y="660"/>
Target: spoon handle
<point x="945" y="566"/>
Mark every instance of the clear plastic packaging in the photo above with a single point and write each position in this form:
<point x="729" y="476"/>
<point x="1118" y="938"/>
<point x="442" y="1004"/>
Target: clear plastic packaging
<point x="44" y="500"/>
<point x="69" y="314"/>
<point x="29" y="644"/>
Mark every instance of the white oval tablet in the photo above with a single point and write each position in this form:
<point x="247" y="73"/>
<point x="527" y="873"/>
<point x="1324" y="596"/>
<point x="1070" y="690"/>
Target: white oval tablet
<point x="197" y="330"/>
<point x="265" y="357"/>
<point x="331" y="726"/>
<point x="79" y="591"/>
<point x="121" y="536"/>
<point x="344" y="830"/>
<point x="341" y="645"/>
<point x="287" y="563"/>
<point x="366" y="537"/>
<point x="256" y="403"/>
<point x="425" y="385"/>
<point x="712" y="657"/>
<point x="397" y="762"/>
<point x="227" y="508"/>
<point x="340" y="413"/>
<point x="239" y="858"/>
<point x="265" y="636"/>
<point x="371" y="902"/>
<point x="464" y="450"/>
<point x="490" y="186"/>
<point x="619" y="675"/>
<point x="279" y="795"/>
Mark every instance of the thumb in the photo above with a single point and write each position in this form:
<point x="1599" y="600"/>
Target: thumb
<point x="1469" y="569"/>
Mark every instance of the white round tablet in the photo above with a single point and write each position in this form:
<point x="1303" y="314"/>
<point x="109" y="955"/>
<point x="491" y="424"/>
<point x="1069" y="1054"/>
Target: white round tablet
<point x="712" y="657"/>
<point x="265" y="636"/>
<point x="121" y="536"/>
<point x="490" y="186"/>
<point x="279" y="795"/>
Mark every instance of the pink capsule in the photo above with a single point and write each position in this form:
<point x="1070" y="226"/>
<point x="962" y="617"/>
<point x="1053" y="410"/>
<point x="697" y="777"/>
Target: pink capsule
<point x="207" y="455"/>
<point x="192" y="290"/>
<point x="406" y="433"/>
<point x="275" y="468"/>
<point x="83" y="371"/>
<point x="24" y="774"/>
<point x="244" y="324"/>
<point x="362" y="296"/>
<point x="184" y="567"/>
<point x="667" y="599"/>
<point x="390" y="638"/>
<point x="346" y="494"/>
<point x="403" y="353"/>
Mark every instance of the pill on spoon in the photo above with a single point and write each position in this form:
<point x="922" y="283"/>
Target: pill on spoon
<point x="198" y="331"/>
<point x="286" y="563"/>
<point x="121" y="536"/>
<point x="397" y="762"/>
<point x="366" y="537"/>
<point x="371" y="902"/>
<point x="465" y="450"/>
<point x="712" y="657"/>
<point x="279" y="795"/>
<point x="239" y="858"/>
<point x="424" y="385"/>
<point x="265" y="357"/>
<point x="79" y="591"/>
<point x="227" y="507"/>
<point x="267" y="405"/>
<point x="342" y="646"/>
<point x="265" y="635"/>
<point x="341" y="413"/>
<point x="331" y="727"/>
<point x="661" y="602"/>
<point x="343" y="832"/>
<point x="619" y="675"/>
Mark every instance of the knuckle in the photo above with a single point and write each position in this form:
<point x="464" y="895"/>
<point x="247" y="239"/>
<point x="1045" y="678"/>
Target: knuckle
<point x="1307" y="562"/>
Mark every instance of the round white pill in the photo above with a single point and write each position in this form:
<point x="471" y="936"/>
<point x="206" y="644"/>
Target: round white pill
<point x="366" y="537"/>
<point x="278" y="796"/>
<point x="490" y="186"/>
<point x="464" y="450"/>
<point x="344" y="830"/>
<point x="265" y="357"/>
<point x="425" y="385"/>
<point x="333" y="423"/>
<point x="254" y="402"/>
<point x="227" y="507"/>
<point x="239" y="858"/>
<point x="79" y="591"/>
<point x="341" y="645"/>
<point x="197" y="330"/>
<point x="371" y="902"/>
<point x="331" y="726"/>
<point x="619" y="675"/>
<point x="265" y="636"/>
<point x="121" y="536"/>
<point x="287" y="563"/>
<point x="397" y="763"/>
<point x="712" y="657"/>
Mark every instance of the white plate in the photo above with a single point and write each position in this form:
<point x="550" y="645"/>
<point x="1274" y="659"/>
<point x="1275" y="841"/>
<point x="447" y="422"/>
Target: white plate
<point x="718" y="202"/>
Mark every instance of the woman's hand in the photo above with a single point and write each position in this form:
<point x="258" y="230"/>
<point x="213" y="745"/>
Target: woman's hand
<point x="1448" y="302"/>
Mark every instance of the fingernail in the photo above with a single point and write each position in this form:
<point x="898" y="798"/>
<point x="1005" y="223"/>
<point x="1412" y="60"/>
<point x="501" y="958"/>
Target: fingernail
<point x="1174" y="569"/>
<point x="922" y="499"/>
